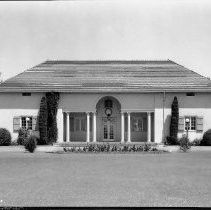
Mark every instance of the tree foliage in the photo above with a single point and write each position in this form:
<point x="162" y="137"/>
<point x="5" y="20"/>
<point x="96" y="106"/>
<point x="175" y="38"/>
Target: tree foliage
<point x="174" y="118"/>
<point x="43" y="119"/>
<point x="52" y="106"/>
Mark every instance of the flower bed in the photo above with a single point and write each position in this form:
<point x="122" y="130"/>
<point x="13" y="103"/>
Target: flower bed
<point x="107" y="148"/>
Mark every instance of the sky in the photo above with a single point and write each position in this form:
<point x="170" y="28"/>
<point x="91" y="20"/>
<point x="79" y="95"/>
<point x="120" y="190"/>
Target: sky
<point x="33" y="32"/>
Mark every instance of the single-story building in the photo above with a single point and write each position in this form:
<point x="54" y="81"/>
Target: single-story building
<point x="120" y="101"/>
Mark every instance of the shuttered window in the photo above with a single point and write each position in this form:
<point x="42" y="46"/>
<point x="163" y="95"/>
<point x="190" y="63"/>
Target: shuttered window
<point x="195" y="123"/>
<point x="27" y="122"/>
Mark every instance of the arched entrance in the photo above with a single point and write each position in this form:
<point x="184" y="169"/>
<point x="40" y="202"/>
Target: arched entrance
<point x="108" y="117"/>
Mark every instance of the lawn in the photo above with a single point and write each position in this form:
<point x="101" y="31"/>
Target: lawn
<point x="47" y="179"/>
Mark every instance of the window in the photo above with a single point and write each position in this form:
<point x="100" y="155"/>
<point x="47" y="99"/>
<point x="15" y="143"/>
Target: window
<point x="26" y="94"/>
<point x="108" y="103"/>
<point x="80" y="124"/>
<point x="192" y="123"/>
<point x="137" y="124"/>
<point x="26" y="122"/>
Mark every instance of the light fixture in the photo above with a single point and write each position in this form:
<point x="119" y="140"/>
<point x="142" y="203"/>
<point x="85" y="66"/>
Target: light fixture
<point x="187" y="120"/>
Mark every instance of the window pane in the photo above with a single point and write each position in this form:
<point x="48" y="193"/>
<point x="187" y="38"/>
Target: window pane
<point x="105" y="132"/>
<point x="111" y="132"/>
<point x="29" y="123"/>
<point x="23" y="122"/>
<point x="193" y="123"/>
<point x="134" y="125"/>
<point x="77" y="124"/>
<point x="83" y="125"/>
<point x="140" y="127"/>
<point x="137" y="125"/>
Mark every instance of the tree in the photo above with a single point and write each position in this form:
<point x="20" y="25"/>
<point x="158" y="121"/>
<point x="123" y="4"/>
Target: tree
<point x="52" y="106"/>
<point x="43" y="119"/>
<point x="174" y="118"/>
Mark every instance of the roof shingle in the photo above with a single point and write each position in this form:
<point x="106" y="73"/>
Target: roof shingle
<point x="107" y="76"/>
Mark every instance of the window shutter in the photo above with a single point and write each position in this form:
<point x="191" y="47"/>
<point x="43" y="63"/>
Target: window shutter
<point x="34" y="123"/>
<point x="199" y="123"/>
<point x="181" y="125"/>
<point x="16" y="123"/>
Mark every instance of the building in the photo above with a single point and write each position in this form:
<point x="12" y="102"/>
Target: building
<point x="121" y="101"/>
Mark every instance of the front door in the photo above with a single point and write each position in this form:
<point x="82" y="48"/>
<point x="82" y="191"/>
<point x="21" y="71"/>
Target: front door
<point x="108" y="130"/>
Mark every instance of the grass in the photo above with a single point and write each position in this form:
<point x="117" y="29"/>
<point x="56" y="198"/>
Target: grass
<point x="47" y="179"/>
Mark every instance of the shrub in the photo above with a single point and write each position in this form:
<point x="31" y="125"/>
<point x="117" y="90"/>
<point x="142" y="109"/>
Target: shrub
<point x="170" y="140"/>
<point x="184" y="143"/>
<point x="206" y="141"/>
<point x="5" y="137"/>
<point x="195" y="142"/>
<point x="23" y="134"/>
<point x="146" y="147"/>
<point x="31" y="143"/>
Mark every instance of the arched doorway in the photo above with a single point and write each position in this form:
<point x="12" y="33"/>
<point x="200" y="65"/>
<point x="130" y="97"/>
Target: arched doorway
<point x="108" y="117"/>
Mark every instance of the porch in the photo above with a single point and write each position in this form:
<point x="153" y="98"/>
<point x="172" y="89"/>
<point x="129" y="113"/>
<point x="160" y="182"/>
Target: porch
<point x="108" y="122"/>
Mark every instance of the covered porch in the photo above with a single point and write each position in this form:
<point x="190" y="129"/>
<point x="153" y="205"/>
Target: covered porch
<point x="134" y="126"/>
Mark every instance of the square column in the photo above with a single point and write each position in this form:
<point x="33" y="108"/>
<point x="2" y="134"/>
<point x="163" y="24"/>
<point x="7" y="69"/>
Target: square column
<point x="149" y="127"/>
<point x="87" y="127"/>
<point x="94" y="127"/>
<point x="128" y="128"/>
<point x="68" y="127"/>
<point x="122" y="127"/>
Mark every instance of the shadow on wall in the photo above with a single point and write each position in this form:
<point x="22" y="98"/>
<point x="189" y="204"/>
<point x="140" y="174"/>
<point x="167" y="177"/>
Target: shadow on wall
<point x="166" y="129"/>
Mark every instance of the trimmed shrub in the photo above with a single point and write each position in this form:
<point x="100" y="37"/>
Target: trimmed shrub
<point x="43" y="119"/>
<point x="5" y="137"/>
<point x="170" y="140"/>
<point x="196" y="142"/>
<point x="174" y="118"/>
<point x="23" y="134"/>
<point x="184" y="143"/>
<point x="31" y="143"/>
<point x="206" y="141"/>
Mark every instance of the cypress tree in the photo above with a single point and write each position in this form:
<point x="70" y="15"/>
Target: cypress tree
<point x="174" y="118"/>
<point x="43" y="115"/>
<point x="52" y="105"/>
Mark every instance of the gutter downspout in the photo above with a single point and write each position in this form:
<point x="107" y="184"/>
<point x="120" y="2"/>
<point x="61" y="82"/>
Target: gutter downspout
<point x="164" y="99"/>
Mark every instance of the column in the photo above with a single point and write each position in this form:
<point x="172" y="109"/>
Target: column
<point x="87" y="126"/>
<point x="128" y="128"/>
<point x="94" y="127"/>
<point x="68" y="127"/>
<point x="149" y="127"/>
<point x="122" y="127"/>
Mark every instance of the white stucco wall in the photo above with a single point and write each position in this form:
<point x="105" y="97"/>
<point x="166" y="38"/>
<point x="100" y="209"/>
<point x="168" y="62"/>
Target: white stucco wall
<point x="14" y="104"/>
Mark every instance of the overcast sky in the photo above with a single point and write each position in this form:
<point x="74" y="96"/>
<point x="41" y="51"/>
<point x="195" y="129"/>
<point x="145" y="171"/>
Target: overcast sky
<point x="32" y="32"/>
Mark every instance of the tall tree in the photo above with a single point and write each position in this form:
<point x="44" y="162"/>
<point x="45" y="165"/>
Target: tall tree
<point x="174" y="118"/>
<point x="52" y="105"/>
<point x="43" y="118"/>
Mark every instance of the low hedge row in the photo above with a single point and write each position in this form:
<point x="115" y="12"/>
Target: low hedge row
<point x="111" y="148"/>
